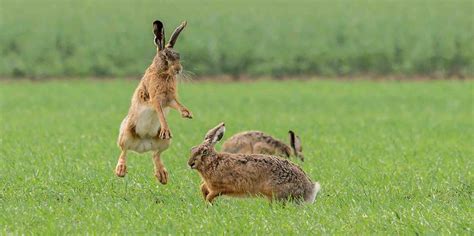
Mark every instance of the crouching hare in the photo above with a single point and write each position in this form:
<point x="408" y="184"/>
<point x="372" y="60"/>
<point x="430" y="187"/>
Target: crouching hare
<point x="256" y="142"/>
<point x="242" y="175"/>
<point x="145" y="128"/>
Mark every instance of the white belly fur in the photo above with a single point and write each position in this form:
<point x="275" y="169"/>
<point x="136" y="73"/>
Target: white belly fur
<point x="148" y="124"/>
<point x="142" y="145"/>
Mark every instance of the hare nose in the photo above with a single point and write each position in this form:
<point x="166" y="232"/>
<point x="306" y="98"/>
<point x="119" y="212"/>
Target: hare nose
<point x="177" y="69"/>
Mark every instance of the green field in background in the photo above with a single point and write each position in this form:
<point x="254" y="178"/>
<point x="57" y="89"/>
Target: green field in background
<point x="393" y="157"/>
<point x="55" y="38"/>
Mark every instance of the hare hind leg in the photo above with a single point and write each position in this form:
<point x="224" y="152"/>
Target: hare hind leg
<point x="123" y="139"/>
<point x="160" y="171"/>
<point x="121" y="168"/>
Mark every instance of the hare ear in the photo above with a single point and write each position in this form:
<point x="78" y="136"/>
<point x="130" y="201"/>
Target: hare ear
<point x="175" y="34"/>
<point x="298" y="146"/>
<point x="159" y="32"/>
<point x="215" y="134"/>
<point x="293" y="141"/>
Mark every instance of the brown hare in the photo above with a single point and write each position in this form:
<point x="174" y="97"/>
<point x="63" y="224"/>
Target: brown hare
<point x="145" y="128"/>
<point x="256" y="142"/>
<point x="241" y="175"/>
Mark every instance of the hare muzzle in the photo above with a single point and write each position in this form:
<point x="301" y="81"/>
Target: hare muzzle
<point x="192" y="165"/>
<point x="176" y="68"/>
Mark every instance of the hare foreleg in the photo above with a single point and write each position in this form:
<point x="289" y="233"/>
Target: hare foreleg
<point x="164" y="132"/>
<point x="210" y="197"/>
<point x="185" y="113"/>
<point x="204" y="190"/>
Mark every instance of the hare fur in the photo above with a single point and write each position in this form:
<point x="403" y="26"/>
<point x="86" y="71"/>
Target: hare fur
<point x="242" y="175"/>
<point x="257" y="142"/>
<point x="145" y="128"/>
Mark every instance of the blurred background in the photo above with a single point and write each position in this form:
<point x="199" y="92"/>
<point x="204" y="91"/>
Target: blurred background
<point x="113" y="39"/>
<point x="393" y="157"/>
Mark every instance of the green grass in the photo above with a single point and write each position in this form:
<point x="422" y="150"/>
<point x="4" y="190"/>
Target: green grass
<point x="113" y="38"/>
<point x="392" y="157"/>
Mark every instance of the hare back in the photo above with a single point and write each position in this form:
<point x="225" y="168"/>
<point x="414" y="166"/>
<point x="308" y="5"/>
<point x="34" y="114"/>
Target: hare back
<point x="242" y="142"/>
<point x="243" y="146"/>
<point x="255" y="142"/>
<point x="257" y="174"/>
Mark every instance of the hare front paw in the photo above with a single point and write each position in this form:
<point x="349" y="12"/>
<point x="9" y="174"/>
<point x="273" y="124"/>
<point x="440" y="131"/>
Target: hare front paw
<point x="185" y="113"/>
<point x="162" y="175"/>
<point x="164" y="133"/>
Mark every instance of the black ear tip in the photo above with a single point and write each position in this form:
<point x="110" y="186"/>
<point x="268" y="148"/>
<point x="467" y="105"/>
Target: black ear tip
<point x="291" y="132"/>
<point x="158" y="23"/>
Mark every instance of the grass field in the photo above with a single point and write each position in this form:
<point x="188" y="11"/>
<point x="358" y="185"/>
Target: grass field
<point x="54" y="38"/>
<point x="393" y="157"/>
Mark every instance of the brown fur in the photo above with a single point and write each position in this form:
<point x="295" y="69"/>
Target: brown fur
<point x="257" y="142"/>
<point x="145" y="127"/>
<point x="243" y="175"/>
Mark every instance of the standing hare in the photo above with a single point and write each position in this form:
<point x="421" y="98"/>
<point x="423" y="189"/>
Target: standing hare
<point x="145" y="128"/>
<point x="256" y="142"/>
<point x="241" y="175"/>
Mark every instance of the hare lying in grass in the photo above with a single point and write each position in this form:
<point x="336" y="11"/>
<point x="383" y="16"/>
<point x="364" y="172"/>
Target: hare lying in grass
<point x="242" y="175"/>
<point x="256" y="142"/>
<point x="145" y="128"/>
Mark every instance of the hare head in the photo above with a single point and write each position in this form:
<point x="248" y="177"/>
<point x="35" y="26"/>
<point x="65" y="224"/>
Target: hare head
<point x="295" y="143"/>
<point x="167" y="59"/>
<point x="201" y="154"/>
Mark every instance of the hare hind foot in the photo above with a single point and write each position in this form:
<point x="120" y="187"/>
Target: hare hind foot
<point x="162" y="175"/>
